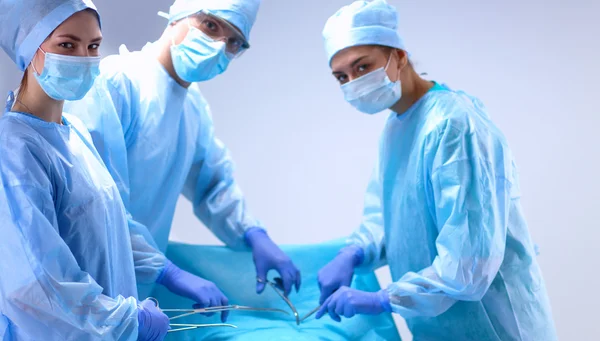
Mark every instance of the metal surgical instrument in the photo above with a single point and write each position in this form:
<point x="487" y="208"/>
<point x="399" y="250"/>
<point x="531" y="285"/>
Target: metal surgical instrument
<point x="185" y="326"/>
<point x="276" y="286"/>
<point x="188" y="312"/>
<point x="310" y="314"/>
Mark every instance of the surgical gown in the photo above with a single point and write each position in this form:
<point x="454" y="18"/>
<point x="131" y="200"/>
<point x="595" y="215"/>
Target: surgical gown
<point x="443" y="211"/>
<point x="157" y="140"/>
<point x="67" y="269"/>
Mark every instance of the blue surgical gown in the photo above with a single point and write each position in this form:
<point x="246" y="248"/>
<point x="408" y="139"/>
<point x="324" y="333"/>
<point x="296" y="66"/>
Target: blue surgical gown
<point x="157" y="140"/>
<point x="65" y="251"/>
<point x="443" y="211"/>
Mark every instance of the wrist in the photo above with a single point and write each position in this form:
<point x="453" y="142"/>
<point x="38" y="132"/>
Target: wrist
<point x="167" y="272"/>
<point x="252" y="234"/>
<point x="355" y="253"/>
<point x="384" y="300"/>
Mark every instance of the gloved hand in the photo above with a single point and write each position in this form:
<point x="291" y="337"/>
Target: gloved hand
<point x="348" y="302"/>
<point x="153" y="324"/>
<point x="339" y="271"/>
<point x="203" y="292"/>
<point x="268" y="256"/>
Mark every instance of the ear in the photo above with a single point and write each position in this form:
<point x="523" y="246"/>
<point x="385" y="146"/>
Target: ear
<point x="402" y="58"/>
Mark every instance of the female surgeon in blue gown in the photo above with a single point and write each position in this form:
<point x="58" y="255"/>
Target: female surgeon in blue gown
<point x="443" y="206"/>
<point x="66" y="262"/>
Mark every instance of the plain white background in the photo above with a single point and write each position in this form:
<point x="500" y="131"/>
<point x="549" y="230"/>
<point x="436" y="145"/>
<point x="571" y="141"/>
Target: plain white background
<point x="304" y="156"/>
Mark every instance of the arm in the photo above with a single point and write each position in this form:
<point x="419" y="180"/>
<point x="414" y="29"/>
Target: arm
<point x="106" y="113"/>
<point x="45" y="293"/>
<point x="217" y="199"/>
<point x="218" y="202"/>
<point x="471" y="197"/>
<point x="370" y="236"/>
<point x="366" y="246"/>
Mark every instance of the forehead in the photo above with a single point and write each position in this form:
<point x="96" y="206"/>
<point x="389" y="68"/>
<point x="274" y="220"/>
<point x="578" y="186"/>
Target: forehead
<point x="346" y="57"/>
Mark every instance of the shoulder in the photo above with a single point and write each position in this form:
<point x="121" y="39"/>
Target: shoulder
<point x="458" y="113"/>
<point x="23" y="152"/>
<point x="126" y="67"/>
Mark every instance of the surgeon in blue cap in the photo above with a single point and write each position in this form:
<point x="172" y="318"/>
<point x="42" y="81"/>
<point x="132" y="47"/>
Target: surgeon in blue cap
<point x="443" y="206"/>
<point x="67" y="270"/>
<point x="154" y="131"/>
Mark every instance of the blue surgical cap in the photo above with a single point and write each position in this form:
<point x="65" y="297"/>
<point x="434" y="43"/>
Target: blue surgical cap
<point x="362" y="23"/>
<point x="25" y="24"/>
<point x="240" y="13"/>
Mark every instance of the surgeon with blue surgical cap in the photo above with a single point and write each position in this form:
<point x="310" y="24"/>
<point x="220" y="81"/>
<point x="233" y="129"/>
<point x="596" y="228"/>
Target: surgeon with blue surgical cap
<point x="154" y="131"/>
<point x="443" y="206"/>
<point x="67" y="271"/>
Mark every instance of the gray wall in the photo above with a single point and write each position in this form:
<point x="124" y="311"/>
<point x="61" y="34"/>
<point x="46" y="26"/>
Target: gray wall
<point x="304" y="156"/>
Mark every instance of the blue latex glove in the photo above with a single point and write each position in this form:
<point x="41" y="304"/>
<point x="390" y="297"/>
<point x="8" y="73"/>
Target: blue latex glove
<point x="339" y="271"/>
<point x="268" y="256"/>
<point x="348" y="302"/>
<point x="204" y="293"/>
<point x="153" y="324"/>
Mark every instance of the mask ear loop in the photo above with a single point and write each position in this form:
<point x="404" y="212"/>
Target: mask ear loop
<point x="388" y="64"/>
<point x="187" y="19"/>
<point x="33" y="61"/>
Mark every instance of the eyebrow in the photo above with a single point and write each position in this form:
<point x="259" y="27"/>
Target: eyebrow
<point x="352" y="65"/>
<point x="77" y="39"/>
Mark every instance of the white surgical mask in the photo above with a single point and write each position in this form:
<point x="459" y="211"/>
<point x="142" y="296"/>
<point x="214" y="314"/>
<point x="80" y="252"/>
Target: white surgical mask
<point x="373" y="92"/>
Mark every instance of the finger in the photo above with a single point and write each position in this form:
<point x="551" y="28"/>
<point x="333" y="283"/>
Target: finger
<point x="203" y="303"/>
<point x="214" y="302"/>
<point x="323" y="310"/>
<point x="348" y="311"/>
<point x="148" y="304"/>
<point x="298" y="280"/>
<point x="278" y="283"/>
<point x="224" y="314"/>
<point x="326" y="291"/>
<point x="287" y="283"/>
<point x="331" y="307"/>
<point x="339" y="308"/>
<point x="261" y="274"/>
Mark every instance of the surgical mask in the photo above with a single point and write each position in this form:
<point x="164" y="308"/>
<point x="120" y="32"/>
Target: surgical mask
<point x="373" y="92"/>
<point x="67" y="77"/>
<point x="199" y="58"/>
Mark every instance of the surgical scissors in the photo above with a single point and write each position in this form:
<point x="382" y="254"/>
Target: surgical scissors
<point x="277" y="286"/>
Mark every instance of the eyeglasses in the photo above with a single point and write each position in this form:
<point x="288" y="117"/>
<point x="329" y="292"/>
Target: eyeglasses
<point x="220" y="30"/>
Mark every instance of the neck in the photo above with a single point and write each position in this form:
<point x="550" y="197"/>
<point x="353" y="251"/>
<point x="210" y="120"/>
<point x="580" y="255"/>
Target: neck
<point x="412" y="90"/>
<point x="164" y="58"/>
<point x="33" y="100"/>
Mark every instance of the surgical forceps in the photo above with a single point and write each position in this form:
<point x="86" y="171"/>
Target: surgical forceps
<point x="277" y="286"/>
<point x="188" y="312"/>
<point x="310" y="314"/>
<point x="186" y="326"/>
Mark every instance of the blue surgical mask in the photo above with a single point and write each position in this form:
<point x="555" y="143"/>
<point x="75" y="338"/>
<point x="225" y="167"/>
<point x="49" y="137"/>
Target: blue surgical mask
<point x="373" y="92"/>
<point x="199" y="58"/>
<point x="67" y="77"/>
